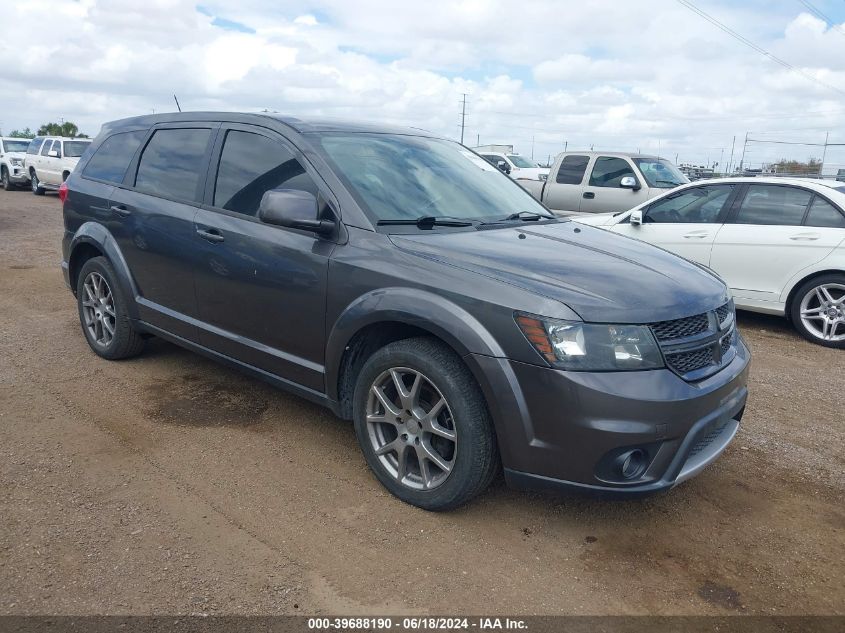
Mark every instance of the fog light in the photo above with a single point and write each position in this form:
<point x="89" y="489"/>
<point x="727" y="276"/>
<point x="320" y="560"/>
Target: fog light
<point x="632" y="464"/>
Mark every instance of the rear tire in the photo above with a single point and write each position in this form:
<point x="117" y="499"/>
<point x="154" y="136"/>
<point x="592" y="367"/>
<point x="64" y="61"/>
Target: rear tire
<point x="818" y="310"/>
<point x="439" y="473"/>
<point x="7" y="183"/>
<point x="37" y="189"/>
<point x="102" y="312"/>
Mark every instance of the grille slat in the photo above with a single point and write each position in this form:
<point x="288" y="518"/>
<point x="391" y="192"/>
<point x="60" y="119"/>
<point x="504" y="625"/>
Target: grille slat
<point x="680" y="328"/>
<point x="685" y="362"/>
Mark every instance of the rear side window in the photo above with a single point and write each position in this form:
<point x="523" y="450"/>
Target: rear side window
<point x="46" y="148"/>
<point x="824" y="214"/>
<point x="773" y="205"/>
<point x="34" y="146"/>
<point x="112" y="158"/>
<point x="609" y="171"/>
<point x="75" y="149"/>
<point x="251" y="165"/>
<point x="172" y="162"/>
<point x="572" y="170"/>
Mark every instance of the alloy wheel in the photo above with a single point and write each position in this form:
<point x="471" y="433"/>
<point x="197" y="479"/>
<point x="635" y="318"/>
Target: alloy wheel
<point x="98" y="309"/>
<point x="34" y="182"/>
<point x="411" y="428"/>
<point x="823" y="312"/>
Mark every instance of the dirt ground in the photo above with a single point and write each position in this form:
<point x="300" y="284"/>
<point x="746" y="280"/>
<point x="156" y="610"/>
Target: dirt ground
<point x="169" y="484"/>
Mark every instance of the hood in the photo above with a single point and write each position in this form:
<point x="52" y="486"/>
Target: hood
<point x="18" y="155"/>
<point x="531" y="173"/>
<point x="604" y="277"/>
<point x="594" y="219"/>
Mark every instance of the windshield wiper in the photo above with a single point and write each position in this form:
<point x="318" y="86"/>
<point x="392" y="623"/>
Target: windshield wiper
<point x="426" y="221"/>
<point x="524" y="216"/>
<point x="669" y="182"/>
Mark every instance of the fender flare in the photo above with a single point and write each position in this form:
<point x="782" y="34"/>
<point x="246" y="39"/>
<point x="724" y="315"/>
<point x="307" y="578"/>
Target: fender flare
<point x="99" y="236"/>
<point x="420" y="308"/>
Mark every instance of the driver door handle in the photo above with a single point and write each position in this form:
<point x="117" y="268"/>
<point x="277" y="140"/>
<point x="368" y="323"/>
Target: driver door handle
<point x="696" y="235"/>
<point x="805" y="237"/>
<point x="211" y="235"/>
<point x="589" y="195"/>
<point x="119" y="209"/>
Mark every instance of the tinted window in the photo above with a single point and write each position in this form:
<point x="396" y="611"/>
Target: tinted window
<point x="493" y="160"/>
<point x="46" y="148"/>
<point x="75" y="149"/>
<point x="822" y="213"/>
<point x="701" y="205"/>
<point x="113" y="156"/>
<point x="572" y="170"/>
<point x="609" y="172"/>
<point x="34" y="145"/>
<point x="251" y="165"/>
<point x="15" y="146"/>
<point x="172" y="163"/>
<point x="772" y="204"/>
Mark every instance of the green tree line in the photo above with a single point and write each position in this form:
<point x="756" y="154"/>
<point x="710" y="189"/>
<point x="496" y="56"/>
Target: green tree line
<point x="67" y="128"/>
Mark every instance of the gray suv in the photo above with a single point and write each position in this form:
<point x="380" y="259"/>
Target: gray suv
<point x="404" y="282"/>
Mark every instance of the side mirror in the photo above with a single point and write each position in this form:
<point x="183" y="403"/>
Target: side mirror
<point x="295" y="209"/>
<point x="629" y="182"/>
<point x="53" y="153"/>
<point x="636" y="217"/>
<point x="504" y="166"/>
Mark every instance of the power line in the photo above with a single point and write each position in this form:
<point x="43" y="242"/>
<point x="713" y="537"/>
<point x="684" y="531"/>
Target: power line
<point x="689" y="5"/>
<point x="822" y="16"/>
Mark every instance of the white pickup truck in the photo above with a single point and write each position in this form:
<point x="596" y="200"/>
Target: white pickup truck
<point x="12" y="152"/>
<point x="603" y="182"/>
<point x="51" y="159"/>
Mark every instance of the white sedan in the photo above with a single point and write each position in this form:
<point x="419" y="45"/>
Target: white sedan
<point x="779" y="243"/>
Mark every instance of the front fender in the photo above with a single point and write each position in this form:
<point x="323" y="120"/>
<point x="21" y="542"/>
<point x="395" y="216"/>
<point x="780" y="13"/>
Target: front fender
<point x="98" y="236"/>
<point x="420" y="308"/>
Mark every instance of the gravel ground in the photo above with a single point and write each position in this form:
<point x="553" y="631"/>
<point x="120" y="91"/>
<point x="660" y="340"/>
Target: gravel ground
<point x="171" y="485"/>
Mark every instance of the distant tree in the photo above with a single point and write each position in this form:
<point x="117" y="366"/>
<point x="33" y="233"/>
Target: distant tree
<point x="60" y="129"/>
<point x="810" y="166"/>
<point x="24" y="133"/>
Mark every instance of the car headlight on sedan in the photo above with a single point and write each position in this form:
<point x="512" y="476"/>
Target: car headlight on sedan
<point x="580" y="346"/>
<point x="17" y="162"/>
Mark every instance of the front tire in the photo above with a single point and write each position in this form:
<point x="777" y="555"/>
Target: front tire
<point x="423" y="425"/>
<point x="102" y="312"/>
<point x="7" y="183"/>
<point x="818" y="310"/>
<point x="37" y="189"/>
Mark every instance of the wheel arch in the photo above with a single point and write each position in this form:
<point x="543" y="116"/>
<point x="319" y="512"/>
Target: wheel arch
<point x="793" y="289"/>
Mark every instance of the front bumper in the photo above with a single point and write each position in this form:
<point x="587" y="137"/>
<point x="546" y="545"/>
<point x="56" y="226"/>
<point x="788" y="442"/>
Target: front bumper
<point x="563" y="430"/>
<point x="18" y="174"/>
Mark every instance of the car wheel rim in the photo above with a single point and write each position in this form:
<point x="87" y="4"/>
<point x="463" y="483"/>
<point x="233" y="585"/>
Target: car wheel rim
<point x="411" y="428"/>
<point x="823" y="312"/>
<point x="98" y="309"/>
<point x="34" y="183"/>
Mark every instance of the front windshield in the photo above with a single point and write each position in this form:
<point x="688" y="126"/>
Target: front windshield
<point x="16" y="146"/>
<point x="75" y="149"/>
<point x="660" y="173"/>
<point x="521" y="161"/>
<point x="396" y="177"/>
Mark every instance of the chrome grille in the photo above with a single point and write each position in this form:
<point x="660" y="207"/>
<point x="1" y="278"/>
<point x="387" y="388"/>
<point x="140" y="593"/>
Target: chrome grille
<point x="697" y="346"/>
<point x="680" y="328"/>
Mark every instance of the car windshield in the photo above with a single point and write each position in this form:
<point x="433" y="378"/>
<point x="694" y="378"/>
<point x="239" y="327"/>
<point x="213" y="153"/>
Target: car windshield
<point x="396" y="177"/>
<point x="74" y="149"/>
<point x="660" y="173"/>
<point x="521" y="161"/>
<point x="16" y="146"/>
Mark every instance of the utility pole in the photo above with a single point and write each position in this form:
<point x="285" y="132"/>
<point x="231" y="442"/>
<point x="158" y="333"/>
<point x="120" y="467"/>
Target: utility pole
<point x="463" y="116"/>
<point x="731" y="161"/>
<point x="742" y="160"/>
<point x="532" y="147"/>
<point x="721" y="158"/>
<point x="565" y="145"/>
<point x="478" y="139"/>
<point x="824" y="154"/>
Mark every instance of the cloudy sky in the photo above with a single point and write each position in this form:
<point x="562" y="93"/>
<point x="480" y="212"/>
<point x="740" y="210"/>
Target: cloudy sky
<point x="649" y="75"/>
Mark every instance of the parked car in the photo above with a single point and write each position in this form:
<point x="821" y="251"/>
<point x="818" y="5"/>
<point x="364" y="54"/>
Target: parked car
<point x="779" y="243"/>
<point x="516" y="166"/>
<point x="840" y="175"/>
<point x="51" y="159"/>
<point x="12" y="152"/>
<point x="602" y="182"/>
<point x="404" y="282"/>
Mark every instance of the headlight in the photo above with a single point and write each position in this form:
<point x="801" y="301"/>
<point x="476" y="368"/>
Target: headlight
<point x="17" y="162"/>
<point x="592" y="346"/>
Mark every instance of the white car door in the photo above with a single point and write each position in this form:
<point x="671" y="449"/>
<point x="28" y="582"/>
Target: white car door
<point x="769" y="241"/>
<point x="685" y="222"/>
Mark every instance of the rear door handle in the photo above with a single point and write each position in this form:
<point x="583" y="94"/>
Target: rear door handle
<point x="805" y="237"/>
<point x="119" y="209"/>
<point x="696" y="235"/>
<point x="589" y="195"/>
<point x="211" y="235"/>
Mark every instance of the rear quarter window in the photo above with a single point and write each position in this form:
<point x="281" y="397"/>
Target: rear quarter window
<point x="34" y="146"/>
<point x="173" y="163"/>
<point x="112" y="158"/>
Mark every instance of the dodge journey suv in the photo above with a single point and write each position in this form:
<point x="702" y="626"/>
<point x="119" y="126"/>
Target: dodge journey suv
<point x="404" y="282"/>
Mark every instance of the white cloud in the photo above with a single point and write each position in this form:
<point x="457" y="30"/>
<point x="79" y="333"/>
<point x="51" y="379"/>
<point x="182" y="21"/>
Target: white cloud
<point x="604" y="73"/>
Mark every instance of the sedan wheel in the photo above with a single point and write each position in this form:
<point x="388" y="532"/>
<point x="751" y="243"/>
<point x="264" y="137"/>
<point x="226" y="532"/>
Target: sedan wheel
<point x="411" y="429"/>
<point x="823" y="312"/>
<point x="98" y="309"/>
